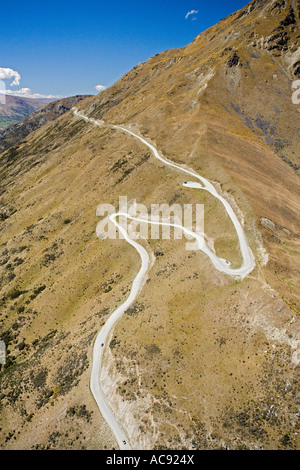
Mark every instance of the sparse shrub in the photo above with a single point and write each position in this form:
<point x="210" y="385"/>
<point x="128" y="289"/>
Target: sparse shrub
<point x="48" y="258"/>
<point x="37" y="291"/>
<point x="114" y="342"/>
<point x="16" y="293"/>
<point x="39" y="380"/>
<point x="152" y="349"/>
<point x="80" y="412"/>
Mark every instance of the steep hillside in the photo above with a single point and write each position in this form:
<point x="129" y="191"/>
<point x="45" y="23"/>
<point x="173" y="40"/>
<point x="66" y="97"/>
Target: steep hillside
<point x="201" y="360"/>
<point x="16" y="108"/>
<point x="17" y="132"/>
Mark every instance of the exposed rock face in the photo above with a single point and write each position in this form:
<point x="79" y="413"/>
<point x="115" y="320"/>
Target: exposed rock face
<point x="234" y="60"/>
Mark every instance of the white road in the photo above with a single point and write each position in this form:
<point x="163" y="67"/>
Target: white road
<point x="103" y="335"/>
<point x="219" y="263"/>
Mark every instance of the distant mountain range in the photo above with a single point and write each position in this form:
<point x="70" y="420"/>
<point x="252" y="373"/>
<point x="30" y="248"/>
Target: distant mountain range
<point x="16" y="108"/>
<point x="14" y="133"/>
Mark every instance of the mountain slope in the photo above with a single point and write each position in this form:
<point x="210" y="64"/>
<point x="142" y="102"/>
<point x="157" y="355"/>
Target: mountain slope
<point x="240" y="59"/>
<point x="201" y="360"/>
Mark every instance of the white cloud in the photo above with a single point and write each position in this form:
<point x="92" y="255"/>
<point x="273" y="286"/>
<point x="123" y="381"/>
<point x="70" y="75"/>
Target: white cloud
<point x="6" y="73"/>
<point x="22" y="91"/>
<point x="27" y="93"/>
<point x="192" y="12"/>
<point x="100" y="87"/>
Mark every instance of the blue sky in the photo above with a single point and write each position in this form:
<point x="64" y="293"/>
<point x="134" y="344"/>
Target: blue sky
<point x="64" y="48"/>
